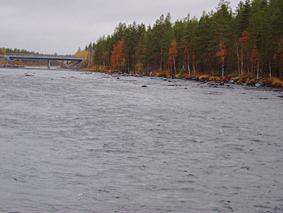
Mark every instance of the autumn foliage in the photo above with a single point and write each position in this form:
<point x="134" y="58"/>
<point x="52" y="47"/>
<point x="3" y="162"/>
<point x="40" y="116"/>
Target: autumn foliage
<point x="222" y="51"/>
<point x="83" y="54"/>
<point x="244" y="38"/>
<point x="117" y="56"/>
<point x="173" y="50"/>
<point x="2" y="51"/>
<point x="172" y="55"/>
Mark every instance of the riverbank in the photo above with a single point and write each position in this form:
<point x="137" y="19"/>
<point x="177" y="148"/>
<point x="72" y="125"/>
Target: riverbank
<point x="244" y="80"/>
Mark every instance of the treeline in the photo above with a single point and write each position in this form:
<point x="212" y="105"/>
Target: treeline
<point x="247" y="41"/>
<point x="15" y="51"/>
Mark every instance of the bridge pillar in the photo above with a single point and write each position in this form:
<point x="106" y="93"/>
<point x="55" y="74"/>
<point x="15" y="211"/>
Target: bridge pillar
<point x="48" y="64"/>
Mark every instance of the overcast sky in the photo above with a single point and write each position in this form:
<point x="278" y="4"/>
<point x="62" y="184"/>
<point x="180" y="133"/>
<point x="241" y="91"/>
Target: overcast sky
<point x="61" y="26"/>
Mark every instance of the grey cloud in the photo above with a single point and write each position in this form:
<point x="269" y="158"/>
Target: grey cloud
<point x="62" y="25"/>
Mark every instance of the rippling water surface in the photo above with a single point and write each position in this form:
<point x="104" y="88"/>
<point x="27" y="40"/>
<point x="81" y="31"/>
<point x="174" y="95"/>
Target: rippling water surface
<point x="79" y="142"/>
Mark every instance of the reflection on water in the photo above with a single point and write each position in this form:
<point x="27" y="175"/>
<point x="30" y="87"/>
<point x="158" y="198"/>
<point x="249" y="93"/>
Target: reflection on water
<point x="81" y="142"/>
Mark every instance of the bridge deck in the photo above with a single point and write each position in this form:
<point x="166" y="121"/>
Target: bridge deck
<point x="45" y="58"/>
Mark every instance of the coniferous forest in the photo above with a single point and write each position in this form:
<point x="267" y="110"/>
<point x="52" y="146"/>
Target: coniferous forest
<point x="224" y="42"/>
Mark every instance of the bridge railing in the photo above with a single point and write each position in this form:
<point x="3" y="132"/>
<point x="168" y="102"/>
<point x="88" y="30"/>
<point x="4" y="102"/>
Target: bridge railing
<point x="42" y="57"/>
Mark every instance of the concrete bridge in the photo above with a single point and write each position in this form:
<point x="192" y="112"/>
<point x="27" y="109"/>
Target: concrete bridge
<point x="72" y="61"/>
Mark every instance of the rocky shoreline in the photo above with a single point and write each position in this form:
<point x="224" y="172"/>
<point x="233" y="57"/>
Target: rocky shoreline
<point x="212" y="81"/>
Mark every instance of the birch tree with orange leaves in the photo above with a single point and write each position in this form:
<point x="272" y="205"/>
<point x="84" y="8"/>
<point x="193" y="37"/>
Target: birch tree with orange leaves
<point x="244" y="39"/>
<point x="221" y="54"/>
<point x="172" y="56"/>
<point x="255" y="61"/>
<point x="117" y="56"/>
<point x="2" y="51"/>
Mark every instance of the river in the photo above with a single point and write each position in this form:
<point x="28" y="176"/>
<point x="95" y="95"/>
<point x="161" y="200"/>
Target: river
<point x="87" y="142"/>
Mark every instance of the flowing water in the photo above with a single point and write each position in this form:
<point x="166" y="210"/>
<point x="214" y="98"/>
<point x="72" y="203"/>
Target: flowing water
<point x="81" y="142"/>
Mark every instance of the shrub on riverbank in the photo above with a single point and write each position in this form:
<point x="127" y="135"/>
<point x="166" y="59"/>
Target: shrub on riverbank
<point x="277" y="82"/>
